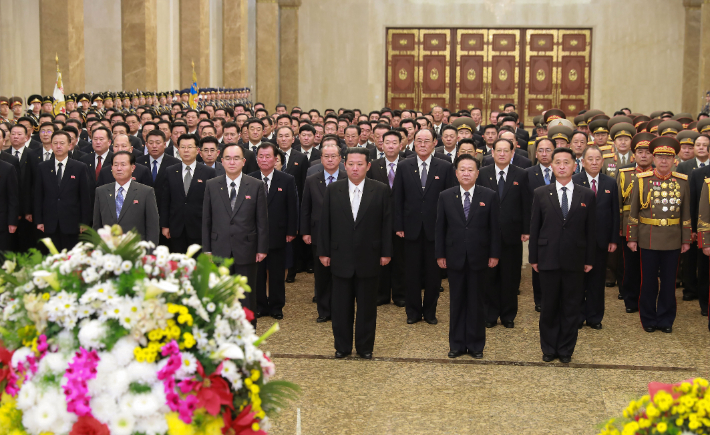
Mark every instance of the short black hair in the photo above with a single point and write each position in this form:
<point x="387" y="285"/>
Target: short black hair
<point x="121" y="124"/>
<point x="131" y="156"/>
<point x="356" y="127"/>
<point x="226" y="146"/>
<point x="358" y="150"/>
<point x="493" y="126"/>
<point x="269" y="145"/>
<point x="512" y="146"/>
<point x="45" y="124"/>
<point x="61" y="133"/>
<point x="563" y="150"/>
<point x="462" y="157"/>
<point x="251" y="121"/>
<point x="102" y="128"/>
<point x="207" y="139"/>
<point x="392" y="133"/>
<point x="188" y="136"/>
<point x="22" y="126"/>
<point x="155" y="132"/>
<point x="307" y="127"/>
<point x="447" y="127"/>
<point x="71" y="129"/>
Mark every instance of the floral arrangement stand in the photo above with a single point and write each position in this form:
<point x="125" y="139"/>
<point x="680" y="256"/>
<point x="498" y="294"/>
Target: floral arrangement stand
<point x="674" y="409"/>
<point x="107" y="339"/>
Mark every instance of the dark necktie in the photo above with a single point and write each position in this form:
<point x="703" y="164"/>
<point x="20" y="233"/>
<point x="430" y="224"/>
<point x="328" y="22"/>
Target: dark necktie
<point x="564" y="203"/>
<point x="466" y="204"/>
<point x="187" y="180"/>
<point x="501" y="183"/>
<point x="17" y="154"/>
<point x="424" y="174"/>
<point x="119" y="202"/>
<point x="98" y="167"/>
<point x="59" y="173"/>
<point x="449" y="156"/>
<point x="702" y="165"/>
<point x="330" y="180"/>
<point x="577" y="168"/>
<point x="266" y="185"/>
<point x="233" y="194"/>
<point x="594" y="187"/>
<point x="382" y="154"/>
<point x="155" y="170"/>
<point x="253" y="148"/>
<point x="390" y="175"/>
<point x="547" y="175"/>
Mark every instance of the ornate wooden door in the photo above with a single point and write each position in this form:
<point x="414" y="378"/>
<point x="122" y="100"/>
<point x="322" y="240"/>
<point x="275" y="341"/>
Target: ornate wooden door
<point x="575" y="53"/>
<point x="434" y="69"/>
<point x="402" y="82"/>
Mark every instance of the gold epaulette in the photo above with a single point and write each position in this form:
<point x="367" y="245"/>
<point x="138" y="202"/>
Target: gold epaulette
<point x="681" y="176"/>
<point x="605" y="147"/>
<point x="707" y="180"/>
<point x="644" y="174"/>
<point x="606" y="156"/>
<point x="531" y="142"/>
<point x="630" y="168"/>
<point x="610" y="142"/>
<point x="479" y="151"/>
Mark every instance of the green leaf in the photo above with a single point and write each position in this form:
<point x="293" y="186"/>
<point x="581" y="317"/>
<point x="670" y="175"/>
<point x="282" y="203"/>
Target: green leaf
<point x="277" y="395"/>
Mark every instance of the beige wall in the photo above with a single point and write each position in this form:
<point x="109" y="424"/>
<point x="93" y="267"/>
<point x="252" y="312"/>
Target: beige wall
<point x="20" y="72"/>
<point x="102" y="44"/>
<point x="168" y="41"/>
<point x="637" y="47"/>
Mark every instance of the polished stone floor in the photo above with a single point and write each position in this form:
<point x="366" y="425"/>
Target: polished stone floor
<point x="411" y="387"/>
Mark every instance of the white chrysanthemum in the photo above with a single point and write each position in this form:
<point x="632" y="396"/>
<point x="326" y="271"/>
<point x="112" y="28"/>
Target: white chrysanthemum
<point x="145" y="373"/>
<point x="20" y="356"/>
<point x="199" y="336"/>
<point x="91" y="334"/>
<point x="126" y="266"/>
<point x="152" y="425"/>
<point x="144" y="405"/>
<point x="27" y="396"/>
<point x="119" y="383"/>
<point x="54" y="363"/>
<point x="211" y="307"/>
<point x="188" y="367"/>
<point x="39" y="282"/>
<point x="103" y="407"/>
<point x="230" y="371"/>
<point x="122" y="424"/>
<point x="130" y="313"/>
<point x="65" y="421"/>
<point x="84" y="311"/>
<point x="104" y="373"/>
<point x="44" y="415"/>
<point x="66" y="342"/>
<point x="89" y="275"/>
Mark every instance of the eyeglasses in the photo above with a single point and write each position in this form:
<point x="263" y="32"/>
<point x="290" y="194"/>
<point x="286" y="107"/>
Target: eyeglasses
<point x="209" y="150"/>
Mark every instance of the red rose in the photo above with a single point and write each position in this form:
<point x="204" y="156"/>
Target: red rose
<point x="88" y="425"/>
<point x="249" y="314"/>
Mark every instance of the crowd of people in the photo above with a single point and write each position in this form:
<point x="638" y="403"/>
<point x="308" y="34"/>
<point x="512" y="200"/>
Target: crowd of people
<point x="381" y="206"/>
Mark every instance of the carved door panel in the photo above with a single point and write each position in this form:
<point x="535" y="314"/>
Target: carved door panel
<point x="471" y="75"/>
<point x="574" y="50"/>
<point x="434" y="68"/>
<point x="402" y="50"/>
<point x="540" y="72"/>
<point x="504" y="68"/>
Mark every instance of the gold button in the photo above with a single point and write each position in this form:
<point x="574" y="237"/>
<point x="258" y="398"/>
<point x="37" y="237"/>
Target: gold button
<point x="664" y="222"/>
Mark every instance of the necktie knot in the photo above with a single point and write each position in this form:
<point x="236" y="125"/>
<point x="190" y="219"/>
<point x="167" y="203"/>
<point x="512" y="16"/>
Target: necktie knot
<point x="702" y="165"/>
<point x="466" y="204"/>
<point x="233" y="185"/>
<point x="330" y="179"/>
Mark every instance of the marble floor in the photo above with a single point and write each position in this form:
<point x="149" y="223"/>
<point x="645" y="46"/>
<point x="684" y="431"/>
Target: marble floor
<point x="411" y="387"/>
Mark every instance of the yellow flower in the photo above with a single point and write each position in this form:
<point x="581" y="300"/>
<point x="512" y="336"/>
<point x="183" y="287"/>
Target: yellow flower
<point x="661" y="427"/>
<point x="700" y="382"/>
<point x="694" y="425"/>
<point x="652" y="411"/>
<point x="644" y="423"/>
<point x="45" y="296"/>
<point x="255" y="375"/>
<point x="177" y="426"/>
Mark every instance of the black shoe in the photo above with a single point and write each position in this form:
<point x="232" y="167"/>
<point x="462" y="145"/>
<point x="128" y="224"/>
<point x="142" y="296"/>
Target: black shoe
<point x="339" y="354"/>
<point x="441" y="289"/>
<point x="258" y="314"/>
<point x="380" y="303"/>
<point x="278" y="316"/>
<point x="610" y="284"/>
<point x="667" y="330"/>
<point x="290" y="278"/>
<point x="565" y="359"/>
<point x="432" y="321"/>
<point x="595" y="325"/>
<point x="620" y="297"/>
<point x="509" y="324"/>
<point x="704" y="313"/>
<point x="650" y="329"/>
<point x="477" y="355"/>
<point x="322" y="319"/>
<point x="365" y="355"/>
<point x="411" y="321"/>
<point x="491" y="324"/>
<point x="689" y="297"/>
<point x="548" y="358"/>
<point x="313" y="300"/>
<point x="456" y="353"/>
<point x="309" y="270"/>
<point x="632" y="310"/>
<point x="538" y="308"/>
<point x="399" y="303"/>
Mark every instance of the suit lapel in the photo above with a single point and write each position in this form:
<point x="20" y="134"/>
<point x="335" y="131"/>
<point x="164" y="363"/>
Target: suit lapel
<point x="224" y="194"/>
<point x="431" y="173"/>
<point x="508" y="183"/>
<point x="130" y="196"/>
<point x="346" y="206"/>
<point x="240" y="195"/>
<point x="273" y="188"/>
<point x="367" y="194"/>
<point x="555" y="200"/>
<point x="110" y="189"/>
<point x="575" y="203"/>
<point x="476" y="194"/>
<point x="66" y="173"/>
<point x="320" y="176"/>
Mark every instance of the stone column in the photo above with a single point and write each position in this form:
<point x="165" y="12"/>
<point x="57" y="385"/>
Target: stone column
<point x="139" y="49"/>
<point x="691" y="55"/>
<point x="235" y="51"/>
<point x="288" y="62"/>
<point x="704" y="53"/>
<point x="267" y="64"/>
<point x="61" y="34"/>
<point x="194" y="42"/>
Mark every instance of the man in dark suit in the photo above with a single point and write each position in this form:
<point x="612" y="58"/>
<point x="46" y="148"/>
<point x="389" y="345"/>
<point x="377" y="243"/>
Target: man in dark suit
<point x="157" y="163"/>
<point x="9" y="206"/>
<point x="607" y="221"/>
<point x="75" y="152"/>
<point x="296" y="165"/>
<point x="540" y="175"/>
<point x="311" y="209"/>
<point x="417" y="185"/>
<point x="503" y="280"/>
<point x="307" y="135"/>
<point x="697" y="179"/>
<point x="126" y="202"/>
<point x="355" y="241"/>
<point x="183" y="191"/>
<point x="468" y="241"/>
<point x="392" y="276"/>
<point x="62" y="199"/>
<point x="449" y="149"/>
<point x="235" y="221"/>
<point x="141" y="173"/>
<point x="209" y="150"/>
<point x="45" y="152"/>
<point x="100" y="156"/>
<point x="230" y="135"/>
<point x="26" y="235"/>
<point x="282" y="202"/>
<point x="562" y="249"/>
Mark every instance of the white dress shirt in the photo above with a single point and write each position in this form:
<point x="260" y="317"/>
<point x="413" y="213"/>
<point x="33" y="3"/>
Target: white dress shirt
<point x="428" y="165"/>
<point x="463" y="194"/>
<point x="21" y="150"/>
<point x="288" y="158"/>
<point x="505" y="173"/>
<point x="192" y="169"/>
<point x="103" y="159"/>
<point x="176" y="153"/>
<point x="706" y="162"/>
<point x="64" y="165"/>
<point x="159" y="160"/>
<point x="237" y="182"/>
<point x="355" y="196"/>
<point x="252" y="145"/>
<point x="47" y="154"/>
<point x="596" y="180"/>
<point x="270" y="176"/>
<point x="570" y="189"/>
<point x="395" y="161"/>
<point x="125" y="188"/>
<point x="307" y="152"/>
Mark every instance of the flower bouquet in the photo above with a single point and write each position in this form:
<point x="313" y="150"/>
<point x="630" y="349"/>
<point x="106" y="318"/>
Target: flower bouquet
<point x="105" y="339"/>
<point x="674" y="409"/>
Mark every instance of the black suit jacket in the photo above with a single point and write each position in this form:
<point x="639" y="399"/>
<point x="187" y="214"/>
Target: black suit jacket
<point x="562" y="244"/>
<point x="9" y="158"/>
<point x="312" y="205"/>
<point x="250" y="164"/>
<point x="141" y="174"/>
<point x="697" y="179"/>
<point x="514" y="205"/>
<point x="84" y="146"/>
<point x="313" y="156"/>
<point x="90" y="161"/>
<point x="157" y="185"/>
<point x="689" y="166"/>
<point x="240" y="233"/>
<point x="355" y="246"/>
<point x="607" y="205"/>
<point x="77" y="154"/>
<point x="415" y="208"/>
<point x="177" y="211"/>
<point x="34" y="145"/>
<point x="536" y="177"/>
<point x="26" y="179"/>
<point x="9" y="196"/>
<point x="297" y="165"/>
<point x="62" y="207"/>
<point x="477" y="238"/>
<point x="283" y="207"/>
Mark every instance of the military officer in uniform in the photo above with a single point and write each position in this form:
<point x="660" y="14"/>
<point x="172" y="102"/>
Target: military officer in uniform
<point x="621" y="134"/>
<point x="659" y="225"/>
<point x="581" y="124"/>
<point x="630" y="266"/>
<point x="703" y="226"/>
<point x="599" y="129"/>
